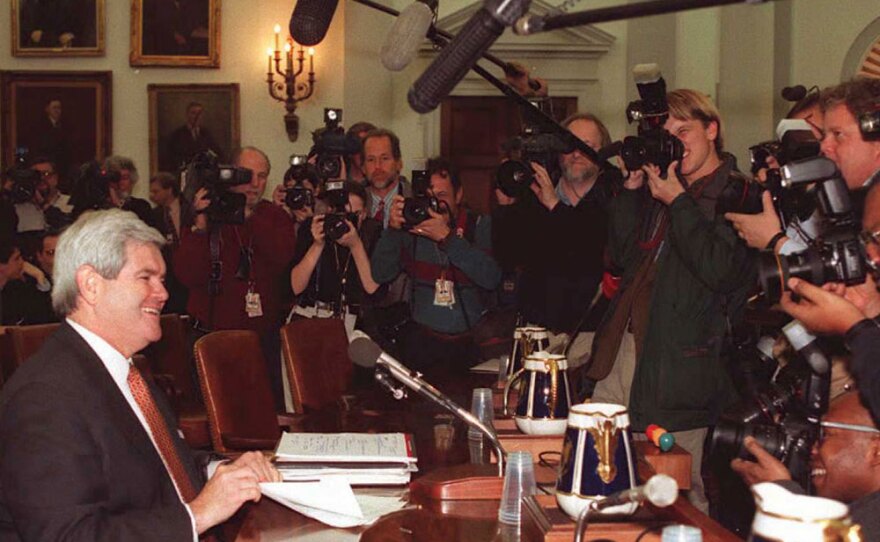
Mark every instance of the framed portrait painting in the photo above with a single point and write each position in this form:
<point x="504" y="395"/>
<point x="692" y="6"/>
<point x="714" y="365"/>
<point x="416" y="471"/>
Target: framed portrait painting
<point x="57" y="27"/>
<point x="175" y="33"/>
<point x="65" y="116"/>
<point x="188" y="119"/>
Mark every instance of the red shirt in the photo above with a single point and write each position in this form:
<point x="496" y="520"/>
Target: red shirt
<point x="270" y="233"/>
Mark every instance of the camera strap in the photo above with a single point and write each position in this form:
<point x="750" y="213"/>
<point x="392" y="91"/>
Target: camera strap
<point x="216" y="273"/>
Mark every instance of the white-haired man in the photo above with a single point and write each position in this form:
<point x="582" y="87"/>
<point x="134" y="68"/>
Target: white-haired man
<point x="88" y="450"/>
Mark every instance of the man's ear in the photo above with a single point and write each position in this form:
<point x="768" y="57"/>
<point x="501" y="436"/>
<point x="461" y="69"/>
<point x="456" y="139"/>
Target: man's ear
<point x="873" y="458"/>
<point x="712" y="130"/>
<point x="88" y="282"/>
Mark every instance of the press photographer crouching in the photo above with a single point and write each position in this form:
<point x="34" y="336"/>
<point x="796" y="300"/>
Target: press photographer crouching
<point x="844" y="463"/>
<point x="331" y="277"/>
<point x="557" y="233"/>
<point x="444" y="250"/>
<point x="235" y="257"/>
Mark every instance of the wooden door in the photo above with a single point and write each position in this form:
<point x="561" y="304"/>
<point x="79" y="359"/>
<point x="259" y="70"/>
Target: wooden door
<point x="473" y="128"/>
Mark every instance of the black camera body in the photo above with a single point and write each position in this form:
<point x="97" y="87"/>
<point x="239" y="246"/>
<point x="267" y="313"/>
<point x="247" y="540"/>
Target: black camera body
<point x="331" y="146"/>
<point x="24" y="184"/>
<point x="205" y="171"/>
<point x="299" y="197"/>
<point x="335" y="226"/>
<point x="837" y="255"/>
<point x="415" y="210"/>
<point x="654" y="144"/>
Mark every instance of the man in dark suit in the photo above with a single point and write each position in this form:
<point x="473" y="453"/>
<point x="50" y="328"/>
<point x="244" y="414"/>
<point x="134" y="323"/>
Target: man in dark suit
<point x="171" y="214"/>
<point x="188" y="140"/>
<point x="87" y="447"/>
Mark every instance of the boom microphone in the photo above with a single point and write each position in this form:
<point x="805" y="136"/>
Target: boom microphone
<point x="407" y="34"/>
<point x="466" y="47"/>
<point x="310" y="20"/>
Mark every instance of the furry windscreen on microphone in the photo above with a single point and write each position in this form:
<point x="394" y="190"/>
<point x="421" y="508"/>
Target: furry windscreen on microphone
<point x="364" y="352"/>
<point x="310" y="20"/>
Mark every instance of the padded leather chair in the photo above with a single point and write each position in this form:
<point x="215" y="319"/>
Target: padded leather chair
<point x="171" y="356"/>
<point x="24" y="341"/>
<point x="238" y="397"/>
<point x="315" y="352"/>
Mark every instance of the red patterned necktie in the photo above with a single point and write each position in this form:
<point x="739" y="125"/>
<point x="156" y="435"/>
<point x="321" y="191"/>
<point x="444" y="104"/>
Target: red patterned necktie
<point x="161" y="435"/>
<point x="380" y="211"/>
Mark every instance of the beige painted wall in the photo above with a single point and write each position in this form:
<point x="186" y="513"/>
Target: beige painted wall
<point x="730" y="53"/>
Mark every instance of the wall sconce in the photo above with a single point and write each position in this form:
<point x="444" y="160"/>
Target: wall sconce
<point x="288" y="90"/>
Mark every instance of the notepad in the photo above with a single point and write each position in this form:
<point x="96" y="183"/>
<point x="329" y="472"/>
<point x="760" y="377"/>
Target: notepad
<point x="358" y="458"/>
<point x="346" y="448"/>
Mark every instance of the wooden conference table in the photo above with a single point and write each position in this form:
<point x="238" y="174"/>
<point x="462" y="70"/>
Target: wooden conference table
<point x="430" y="520"/>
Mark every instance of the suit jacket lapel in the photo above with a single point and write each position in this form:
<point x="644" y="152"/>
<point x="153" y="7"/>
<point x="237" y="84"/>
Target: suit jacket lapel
<point x="118" y="409"/>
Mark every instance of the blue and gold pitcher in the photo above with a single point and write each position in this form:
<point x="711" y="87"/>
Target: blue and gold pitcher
<point x="544" y="397"/>
<point x="597" y="458"/>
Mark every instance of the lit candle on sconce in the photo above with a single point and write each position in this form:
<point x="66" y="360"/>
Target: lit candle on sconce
<point x="288" y="51"/>
<point x="277" y="35"/>
<point x="269" y="52"/>
<point x="311" y="59"/>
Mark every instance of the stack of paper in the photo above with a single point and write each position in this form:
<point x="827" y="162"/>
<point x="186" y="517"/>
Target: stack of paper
<point x="359" y="458"/>
<point x="332" y="501"/>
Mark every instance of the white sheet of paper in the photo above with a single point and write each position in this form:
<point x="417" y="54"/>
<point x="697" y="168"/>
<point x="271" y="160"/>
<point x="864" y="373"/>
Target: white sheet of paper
<point x="331" y="501"/>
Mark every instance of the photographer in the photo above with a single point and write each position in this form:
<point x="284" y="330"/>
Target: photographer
<point x="331" y="276"/>
<point x="558" y="234"/>
<point x="296" y="194"/>
<point x="845" y="463"/>
<point x="764" y="230"/>
<point x="123" y="176"/>
<point x="446" y="260"/>
<point x="252" y="256"/>
<point x="685" y="280"/>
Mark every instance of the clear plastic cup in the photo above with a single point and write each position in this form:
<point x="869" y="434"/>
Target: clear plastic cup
<point x="519" y="482"/>
<point x="482" y="407"/>
<point x="682" y="533"/>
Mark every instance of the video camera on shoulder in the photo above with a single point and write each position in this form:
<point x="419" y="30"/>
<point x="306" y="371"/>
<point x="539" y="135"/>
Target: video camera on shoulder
<point x="299" y="197"/>
<point x="336" y="197"/>
<point x="415" y="208"/>
<point x="838" y="255"/>
<point x="332" y="146"/>
<point x="24" y="179"/>
<point x="205" y="171"/>
<point x="91" y="188"/>
<point x="654" y="144"/>
<point x="536" y="143"/>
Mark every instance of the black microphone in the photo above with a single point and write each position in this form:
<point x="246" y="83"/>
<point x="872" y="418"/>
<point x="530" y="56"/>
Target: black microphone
<point x="466" y="47"/>
<point x="795" y="93"/>
<point x="407" y="34"/>
<point x="364" y="352"/>
<point x="661" y="490"/>
<point x="310" y="20"/>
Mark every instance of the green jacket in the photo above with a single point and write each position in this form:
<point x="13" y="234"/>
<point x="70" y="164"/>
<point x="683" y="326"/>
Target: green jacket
<point x="704" y="272"/>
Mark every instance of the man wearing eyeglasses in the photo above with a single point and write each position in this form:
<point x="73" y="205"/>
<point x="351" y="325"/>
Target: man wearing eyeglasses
<point x="845" y="463"/>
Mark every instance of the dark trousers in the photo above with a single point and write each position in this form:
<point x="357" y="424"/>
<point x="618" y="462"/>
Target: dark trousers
<point x="429" y="352"/>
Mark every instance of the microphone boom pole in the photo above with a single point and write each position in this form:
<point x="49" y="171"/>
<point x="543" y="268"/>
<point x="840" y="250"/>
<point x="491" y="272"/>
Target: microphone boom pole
<point x="531" y="24"/>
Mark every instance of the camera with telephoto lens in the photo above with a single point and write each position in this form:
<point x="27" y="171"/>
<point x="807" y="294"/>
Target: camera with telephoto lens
<point x="838" y="254"/>
<point x="24" y="179"/>
<point x="299" y="197"/>
<point x="654" y="144"/>
<point x="332" y="146"/>
<point x="783" y="416"/>
<point x="205" y="171"/>
<point x="91" y="188"/>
